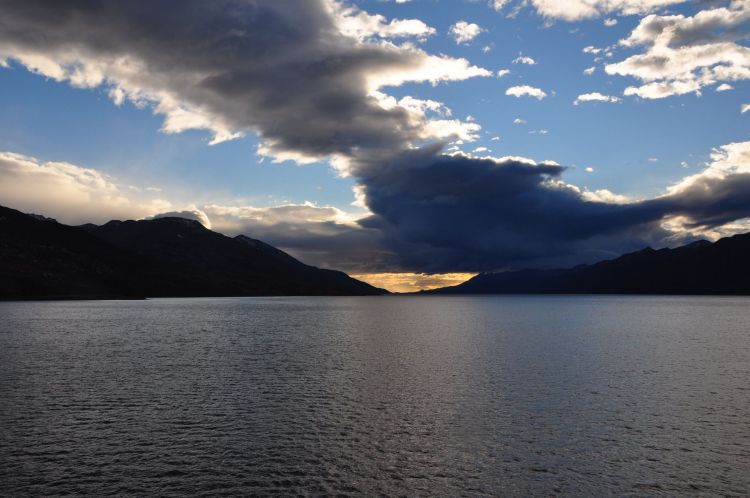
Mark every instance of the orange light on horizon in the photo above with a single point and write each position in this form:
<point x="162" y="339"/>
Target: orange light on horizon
<point x="413" y="282"/>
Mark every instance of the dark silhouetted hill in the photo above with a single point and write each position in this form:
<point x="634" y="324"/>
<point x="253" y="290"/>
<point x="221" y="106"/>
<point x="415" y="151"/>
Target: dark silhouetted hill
<point x="722" y="267"/>
<point x="43" y="259"/>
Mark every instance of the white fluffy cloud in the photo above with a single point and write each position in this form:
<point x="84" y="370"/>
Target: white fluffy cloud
<point x="684" y="54"/>
<point x="603" y="195"/>
<point x="576" y="10"/>
<point x="596" y="97"/>
<point x="434" y="115"/>
<point x="234" y="219"/>
<point x="71" y="193"/>
<point x="730" y="159"/>
<point x="526" y="91"/>
<point x="189" y="213"/>
<point x="524" y="59"/>
<point x="362" y="25"/>
<point x="464" y="32"/>
<point x="498" y="4"/>
<point x="428" y="68"/>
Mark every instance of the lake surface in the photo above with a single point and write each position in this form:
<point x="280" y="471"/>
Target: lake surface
<point x="510" y="395"/>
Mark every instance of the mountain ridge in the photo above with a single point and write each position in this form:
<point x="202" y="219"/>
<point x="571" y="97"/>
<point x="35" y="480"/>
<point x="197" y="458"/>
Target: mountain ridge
<point x="701" y="267"/>
<point x="41" y="258"/>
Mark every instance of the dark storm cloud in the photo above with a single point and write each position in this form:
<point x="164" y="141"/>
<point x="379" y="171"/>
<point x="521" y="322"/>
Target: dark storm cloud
<point x="281" y="68"/>
<point x="454" y="213"/>
<point x="710" y="202"/>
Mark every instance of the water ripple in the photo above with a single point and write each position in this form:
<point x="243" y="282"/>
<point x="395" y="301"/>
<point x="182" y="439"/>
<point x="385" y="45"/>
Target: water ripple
<point x="461" y="396"/>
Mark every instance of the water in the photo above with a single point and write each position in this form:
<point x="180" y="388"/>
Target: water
<point x="383" y="395"/>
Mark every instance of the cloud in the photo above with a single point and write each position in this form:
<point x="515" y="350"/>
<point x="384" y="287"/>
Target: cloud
<point x="460" y="213"/>
<point x="437" y="127"/>
<point x="239" y="67"/>
<point x="188" y="214"/>
<point x="684" y="54"/>
<point x="705" y="204"/>
<point x="604" y="195"/>
<point x="523" y="59"/>
<point x="526" y="91"/>
<point x="70" y="193"/>
<point x="726" y="161"/>
<point x="503" y="72"/>
<point x="724" y="87"/>
<point x="357" y="23"/>
<point x="576" y="10"/>
<point x="308" y="212"/>
<point x="464" y="32"/>
<point x="596" y="97"/>
<point x="519" y="121"/>
<point x="498" y="4"/>
<point x="609" y="22"/>
<point x="745" y="108"/>
<point x="589" y="70"/>
<point x="322" y="236"/>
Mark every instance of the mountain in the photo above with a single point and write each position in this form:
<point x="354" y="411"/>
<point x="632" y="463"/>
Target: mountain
<point x="722" y="267"/>
<point x="43" y="259"/>
<point x="40" y="258"/>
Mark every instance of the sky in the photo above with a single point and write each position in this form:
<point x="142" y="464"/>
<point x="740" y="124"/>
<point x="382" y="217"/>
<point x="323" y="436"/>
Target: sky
<point x="410" y="143"/>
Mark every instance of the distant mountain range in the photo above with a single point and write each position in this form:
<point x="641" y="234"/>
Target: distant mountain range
<point x="43" y="259"/>
<point x="722" y="268"/>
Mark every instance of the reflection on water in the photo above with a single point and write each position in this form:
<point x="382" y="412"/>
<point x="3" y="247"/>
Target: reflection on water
<point x="390" y="395"/>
